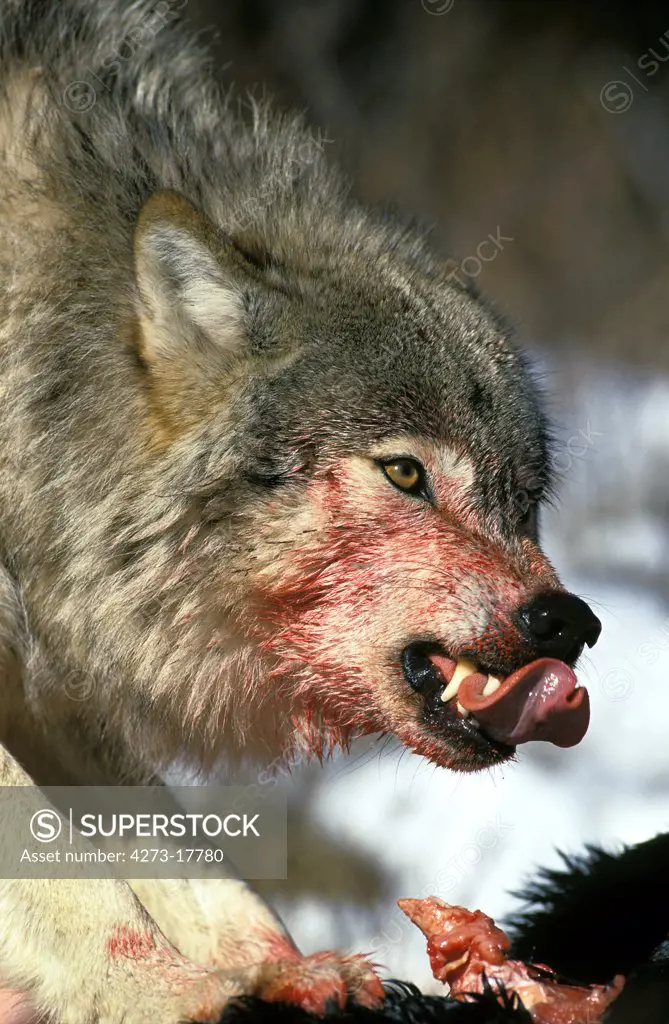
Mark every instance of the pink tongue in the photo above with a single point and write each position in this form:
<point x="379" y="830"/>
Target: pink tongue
<point x="540" y="701"/>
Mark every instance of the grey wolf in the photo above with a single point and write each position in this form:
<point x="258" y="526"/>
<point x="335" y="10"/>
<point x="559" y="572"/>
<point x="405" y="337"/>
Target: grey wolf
<point x="268" y="481"/>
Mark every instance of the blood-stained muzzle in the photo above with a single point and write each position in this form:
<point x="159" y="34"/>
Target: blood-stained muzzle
<point x="388" y="616"/>
<point x="516" y="684"/>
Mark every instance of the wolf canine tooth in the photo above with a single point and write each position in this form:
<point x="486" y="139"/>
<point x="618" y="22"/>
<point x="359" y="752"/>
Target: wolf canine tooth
<point x="449" y="691"/>
<point x="463" y="669"/>
<point x="463" y="711"/>
<point x="492" y="685"/>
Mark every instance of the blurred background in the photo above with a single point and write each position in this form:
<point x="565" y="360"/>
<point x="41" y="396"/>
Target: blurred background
<point x="544" y="124"/>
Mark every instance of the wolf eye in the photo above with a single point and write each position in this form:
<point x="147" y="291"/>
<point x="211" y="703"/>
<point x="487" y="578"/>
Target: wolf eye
<point x="407" y="474"/>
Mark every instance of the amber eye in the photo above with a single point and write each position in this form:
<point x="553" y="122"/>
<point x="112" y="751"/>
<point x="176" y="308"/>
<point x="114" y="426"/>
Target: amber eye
<point x="407" y="474"/>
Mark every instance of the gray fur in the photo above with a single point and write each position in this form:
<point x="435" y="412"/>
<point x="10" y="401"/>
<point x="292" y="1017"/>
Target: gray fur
<point x="384" y="343"/>
<point x="150" y="488"/>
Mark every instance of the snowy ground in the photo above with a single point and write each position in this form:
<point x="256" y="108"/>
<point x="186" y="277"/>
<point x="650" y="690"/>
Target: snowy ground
<point x="472" y="839"/>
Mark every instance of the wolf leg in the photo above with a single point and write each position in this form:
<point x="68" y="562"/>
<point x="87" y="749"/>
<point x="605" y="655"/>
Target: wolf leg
<point x="87" y="952"/>
<point x="217" y="922"/>
<point x="223" y="924"/>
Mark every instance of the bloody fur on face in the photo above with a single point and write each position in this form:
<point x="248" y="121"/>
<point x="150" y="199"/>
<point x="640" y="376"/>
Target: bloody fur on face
<point x="368" y="570"/>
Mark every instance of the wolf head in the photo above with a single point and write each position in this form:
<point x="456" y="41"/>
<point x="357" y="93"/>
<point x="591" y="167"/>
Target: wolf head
<point x="366" y="455"/>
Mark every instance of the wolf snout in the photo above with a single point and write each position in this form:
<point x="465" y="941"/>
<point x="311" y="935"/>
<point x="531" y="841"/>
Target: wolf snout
<point x="558" y="625"/>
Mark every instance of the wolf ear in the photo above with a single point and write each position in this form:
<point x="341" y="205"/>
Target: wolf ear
<point x="187" y="299"/>
<point x="191" y="329"/>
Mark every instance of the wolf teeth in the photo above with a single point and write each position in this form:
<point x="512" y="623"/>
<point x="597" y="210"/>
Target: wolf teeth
<point x="492" y="685"/>
<point x="463" y="669"/>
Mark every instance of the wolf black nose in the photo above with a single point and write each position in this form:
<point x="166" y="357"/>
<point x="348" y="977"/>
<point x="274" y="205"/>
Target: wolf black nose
<point x="558" y="625"/>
